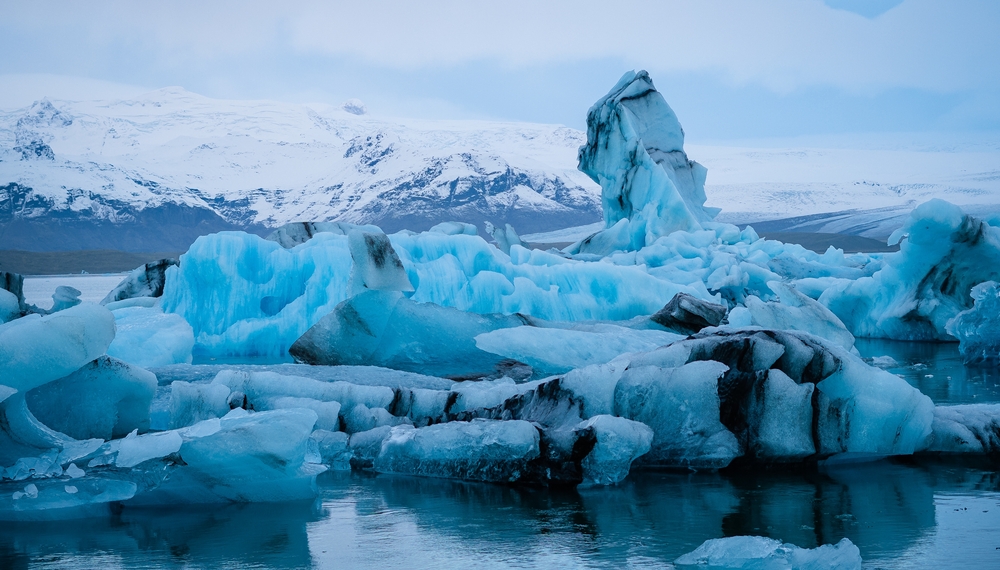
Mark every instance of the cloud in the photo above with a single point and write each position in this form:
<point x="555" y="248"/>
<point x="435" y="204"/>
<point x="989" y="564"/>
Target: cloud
<point x="866" y="8"/>
<point x="19" y="90"/>
<point x="783" y="45"/>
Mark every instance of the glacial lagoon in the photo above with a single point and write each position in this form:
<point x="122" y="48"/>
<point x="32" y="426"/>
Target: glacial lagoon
<point x="899" y="516"/>
<point x="900" y="513"/>
<point x="770" y="377"/>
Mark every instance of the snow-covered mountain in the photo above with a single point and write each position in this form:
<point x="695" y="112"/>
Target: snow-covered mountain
<point x="152" y="173"/>
<point x="871" y="185"/>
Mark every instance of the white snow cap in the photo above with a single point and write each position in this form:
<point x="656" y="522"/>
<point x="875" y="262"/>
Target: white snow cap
<point x="355" y="107"/>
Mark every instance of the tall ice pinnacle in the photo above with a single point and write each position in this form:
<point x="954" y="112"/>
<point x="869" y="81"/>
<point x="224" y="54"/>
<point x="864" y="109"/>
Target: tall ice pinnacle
<point x="635" y="151"/>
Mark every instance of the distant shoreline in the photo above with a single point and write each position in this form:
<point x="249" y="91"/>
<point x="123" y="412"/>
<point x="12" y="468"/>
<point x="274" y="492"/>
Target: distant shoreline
<point x="108" y="261"/>
<point x="58" y="263"/>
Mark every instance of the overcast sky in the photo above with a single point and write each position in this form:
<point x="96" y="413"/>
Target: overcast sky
<point x="730" y="69"/>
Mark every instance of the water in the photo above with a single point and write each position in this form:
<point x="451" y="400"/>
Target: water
<point x="900" y="516"/>
<point x="937" y="369"/>
<point x="38" y="290"/>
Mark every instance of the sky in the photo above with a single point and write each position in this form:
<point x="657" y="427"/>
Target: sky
<point x="738" y="69"/>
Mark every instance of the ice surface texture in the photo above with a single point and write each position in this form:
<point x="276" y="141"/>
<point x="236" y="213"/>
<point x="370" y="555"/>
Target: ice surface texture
<point x="970" y="428"/>
<point x="943" y="254"/>
<point x="551" y="350"/>
<point x="145" y="281"/>
<point x="10" y="307"/>
<point x="481" y="450"/>
<point x="105" y="399"/>
<point x="757" y="395"/>
<point x="35" y="350"/>
<point x="384" y="328"/>
<point x="246" y="296"/>
<point x="12" y="283"/>
<point x="295" y="233"/>
<point x="635" y="151"/>
<point x="61" y="398"/>
<point x="146" y="336"/>
<point x="760" y="553"/>
<point x="978" y="329"/>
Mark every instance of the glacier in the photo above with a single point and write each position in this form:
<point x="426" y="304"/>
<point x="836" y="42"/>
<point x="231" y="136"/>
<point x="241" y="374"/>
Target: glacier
<point x="665" y="340"/>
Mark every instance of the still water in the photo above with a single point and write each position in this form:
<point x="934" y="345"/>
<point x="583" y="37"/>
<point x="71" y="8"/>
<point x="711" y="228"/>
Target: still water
<point x="900" y="514"/>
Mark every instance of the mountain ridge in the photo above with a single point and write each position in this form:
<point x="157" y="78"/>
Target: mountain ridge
<point x="159" y="169"/>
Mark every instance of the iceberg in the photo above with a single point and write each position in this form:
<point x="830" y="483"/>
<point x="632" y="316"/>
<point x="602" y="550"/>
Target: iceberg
<point x="54" y="499"/>
<point x="681" y="405"/>
<point x="105" y="399"/>
<point x="618" y="443"/>
<point x="759" y="396"/>
<point x="966" y="429"/>
<point x="664" y="340"/>
<point x="942" y="255"/>
<point x="857" y="409"/>
<point x="792" y="310"/>
<point x="148" y="337"/>
<point x="10" y="307"/>
<point x="384" y="328"/>
<point x="551" y="350"/>
<point x="480" y="450"/>
<point x="504" y="237"/>
<point x="243" y="457"/>
<point x="455" y="229"/>
<point x="144" y="281"/>
<point x="635" y="151"/>
<point x="978" y="329"/>
<point x="13" y="283"/>
<point x="331" y="449"/>
<point x="688" y="315"/>
<point x="35" y="350"/>
<point x="762" y="553"/>
<point x="295" y="233"/>
<point x="193" y="403"/>
<point x="63" y="298"/>
<point x="248" y="297"/>
<point x="376" y="266"/>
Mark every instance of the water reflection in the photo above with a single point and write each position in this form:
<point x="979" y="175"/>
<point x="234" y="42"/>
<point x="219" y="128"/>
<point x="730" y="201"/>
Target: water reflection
<point x="887" y="509"/>
<point x="937" y="369"/>
<point x="892" y="511"/>
<point x="223" y="536"/>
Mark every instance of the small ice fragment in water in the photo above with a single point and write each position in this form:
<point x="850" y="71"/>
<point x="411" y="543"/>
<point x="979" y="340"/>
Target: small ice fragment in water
<point x="70" y="489"/>
<point x="884" y="362"/>
<point x="760" y="552"/>
<point x="74" y="472"/>
<point x="31" y="491"/>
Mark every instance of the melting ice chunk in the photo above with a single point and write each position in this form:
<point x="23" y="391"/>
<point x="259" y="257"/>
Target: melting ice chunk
<point x="35" y="350"/>
<point x="106" y="398"/>
<point x="480" y="450"/>
<point x="761" y="552"/>
<point x="978" y="329"/>
<point x="383" y="328"/>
